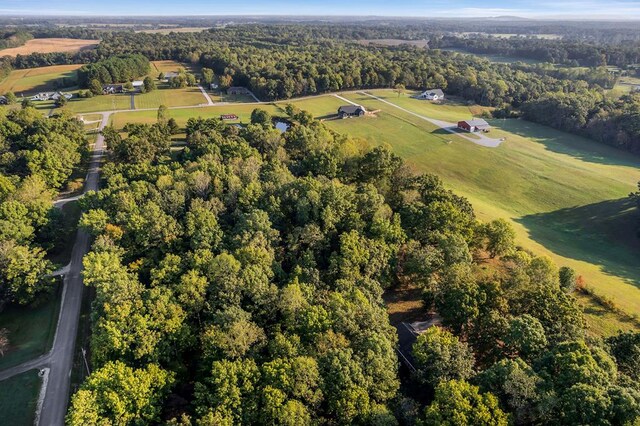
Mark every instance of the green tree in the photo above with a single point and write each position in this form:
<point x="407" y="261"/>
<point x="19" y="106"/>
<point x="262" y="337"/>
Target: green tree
<point x="440" y="356"/>
<point x="148" y="84"/>
<point x="261" y="117"/>
<point x="11" y="98"/>
<point x="568" y="279"/>
<point x="525" y="337"/>
<point x="459" y="403"/>
<point x="95" y="87"/>
<point x="500" y="237"/>
<point x="23" y="272"/>
<point x="163" y="114"/>
<point x="207" y="76"/>
<point x="118" y="394"/>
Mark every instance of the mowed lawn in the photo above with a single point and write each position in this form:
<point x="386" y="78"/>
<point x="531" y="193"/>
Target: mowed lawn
<point x="99" y="103"/>
<point x="188" y="96"/>
<point x="32" y="80"/>
<point x="31" y="330"/>
<point x="565" y="195"/>
<point x="18" y="399"/>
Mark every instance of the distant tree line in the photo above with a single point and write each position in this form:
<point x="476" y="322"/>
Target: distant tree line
<point x="567" y="52"/>
<point x="13" y="38"/>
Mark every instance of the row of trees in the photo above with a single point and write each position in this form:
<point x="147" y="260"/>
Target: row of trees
<point x="556" y="51"/>
<point x="37" y="156"/>
<point x="241" y="283"/>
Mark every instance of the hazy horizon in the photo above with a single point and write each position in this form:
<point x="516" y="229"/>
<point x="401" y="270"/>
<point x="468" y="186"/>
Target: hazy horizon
<point x="564" y="9"/>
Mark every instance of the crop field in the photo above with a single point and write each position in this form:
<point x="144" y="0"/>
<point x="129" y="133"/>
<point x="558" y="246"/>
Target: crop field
<point x="18" y="398"/>
<point x="33" y="80"/>
<point x="188" y="96"/>
<point x="50" y="45"/>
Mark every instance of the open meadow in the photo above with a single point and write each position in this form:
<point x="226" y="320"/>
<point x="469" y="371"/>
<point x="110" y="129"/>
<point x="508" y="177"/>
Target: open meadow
<point x="50" y="45"/>
<point x="33" y="80"/>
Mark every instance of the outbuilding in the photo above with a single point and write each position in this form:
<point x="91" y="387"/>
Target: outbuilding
<point x="475" y="125"/>
<point x="432" y="95"/>
<point x="348" y="111"/>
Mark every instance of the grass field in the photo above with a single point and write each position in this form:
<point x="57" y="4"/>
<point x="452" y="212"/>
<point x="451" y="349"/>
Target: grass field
<point x="18" y="399"/>
<point x="50" y="45"/>
<point x="188" y="96"/>
<point x="99" y="103"/>
<point x="31" y="330"/>
<point x="495" y="58"/>
<point x="39" y="79"/>
<point x="165" y="66"/>
<point x="626" y="84"/>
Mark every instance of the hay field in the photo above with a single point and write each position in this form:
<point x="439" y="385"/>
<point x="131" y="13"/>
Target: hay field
<point x="49" y="45"/>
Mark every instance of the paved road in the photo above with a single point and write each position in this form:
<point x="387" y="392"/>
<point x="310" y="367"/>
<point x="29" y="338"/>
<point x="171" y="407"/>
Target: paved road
<point x="445" y="125"/>
<point x="60" y="359"/>
<point x="56" y="397"/>
<point x="206" y="95"/>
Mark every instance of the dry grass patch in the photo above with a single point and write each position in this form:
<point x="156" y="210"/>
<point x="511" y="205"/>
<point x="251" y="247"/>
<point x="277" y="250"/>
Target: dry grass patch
<point x="50" y="45"/>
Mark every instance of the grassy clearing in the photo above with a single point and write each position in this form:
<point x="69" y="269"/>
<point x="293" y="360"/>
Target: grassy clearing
<point x="174" y="30"/>
<point x="50" y="45"/>
<point x="18" y="399"/>
<point x="627" y="84"/>
<point x="31" y="330"/>
<point x="188" y="96"/>
<point x="495" y="58"/>
<point x="34" y="80"/>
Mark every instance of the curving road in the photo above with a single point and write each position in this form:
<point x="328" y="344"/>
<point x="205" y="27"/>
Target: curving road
<point x="59" y="359"/>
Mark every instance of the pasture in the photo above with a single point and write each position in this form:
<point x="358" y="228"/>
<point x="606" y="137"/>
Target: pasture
<point x="19" y="397"/>
<point x="41" y="79"/>
<point x="50" y="45"/>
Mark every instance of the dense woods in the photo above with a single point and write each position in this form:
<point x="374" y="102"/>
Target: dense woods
<point x="37" y="156"/>
<point x="241" y="282"/>
<point x="115" y="69"/>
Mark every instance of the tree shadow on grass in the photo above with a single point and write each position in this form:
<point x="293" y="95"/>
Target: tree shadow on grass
<point x="602" y="233"/>
<point x="565" y="143"/>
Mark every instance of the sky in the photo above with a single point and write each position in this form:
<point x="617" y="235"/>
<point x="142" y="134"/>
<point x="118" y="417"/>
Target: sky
<point x="579" y="9"/>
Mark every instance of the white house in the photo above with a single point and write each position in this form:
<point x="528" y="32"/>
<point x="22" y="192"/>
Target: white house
<point x="432" y="95"/>
<point x="137" y="84"/>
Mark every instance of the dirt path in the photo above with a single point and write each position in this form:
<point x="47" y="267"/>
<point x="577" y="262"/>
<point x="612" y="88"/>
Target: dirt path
<point x="482" y="140"/>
